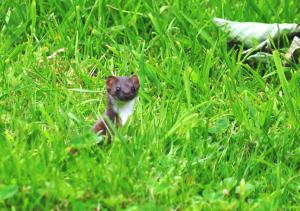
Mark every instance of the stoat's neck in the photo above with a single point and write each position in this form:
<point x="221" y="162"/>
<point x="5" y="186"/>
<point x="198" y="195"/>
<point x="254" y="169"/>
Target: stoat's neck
<point x="124" y="109"/>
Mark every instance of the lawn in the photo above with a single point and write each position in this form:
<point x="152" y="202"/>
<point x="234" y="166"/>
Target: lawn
<point x="208" y="131"/>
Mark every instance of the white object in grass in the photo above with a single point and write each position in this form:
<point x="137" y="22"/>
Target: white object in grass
<point x="254" y="34"/>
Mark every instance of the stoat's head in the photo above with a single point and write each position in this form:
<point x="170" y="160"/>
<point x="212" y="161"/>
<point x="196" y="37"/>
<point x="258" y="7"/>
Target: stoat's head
<point x="123" y="88"/>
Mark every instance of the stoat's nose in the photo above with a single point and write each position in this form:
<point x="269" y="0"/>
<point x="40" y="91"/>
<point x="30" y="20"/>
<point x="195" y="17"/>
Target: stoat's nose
<point x="128" y="96"/>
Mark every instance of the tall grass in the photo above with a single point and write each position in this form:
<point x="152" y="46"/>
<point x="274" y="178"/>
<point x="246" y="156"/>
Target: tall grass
<point x="208" y="132"/>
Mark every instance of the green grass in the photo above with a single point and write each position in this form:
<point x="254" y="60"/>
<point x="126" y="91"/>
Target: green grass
<point x="208" y="132"/>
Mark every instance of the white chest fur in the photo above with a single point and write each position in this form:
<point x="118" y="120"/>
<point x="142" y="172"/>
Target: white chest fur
<point x="123" y="109"/>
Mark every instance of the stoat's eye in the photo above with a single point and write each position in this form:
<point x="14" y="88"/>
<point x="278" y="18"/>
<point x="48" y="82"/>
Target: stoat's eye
<point x="133" y="89"/>
<point x="118" y="89"/>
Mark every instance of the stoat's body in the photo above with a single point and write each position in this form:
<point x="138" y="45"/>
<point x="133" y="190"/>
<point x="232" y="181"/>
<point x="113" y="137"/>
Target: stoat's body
<point x="121" y="94"/>
<point x="123" y="110"/>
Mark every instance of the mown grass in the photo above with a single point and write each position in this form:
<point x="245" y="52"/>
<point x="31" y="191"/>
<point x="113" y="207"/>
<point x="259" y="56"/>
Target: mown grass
<point x="208" y="132"/>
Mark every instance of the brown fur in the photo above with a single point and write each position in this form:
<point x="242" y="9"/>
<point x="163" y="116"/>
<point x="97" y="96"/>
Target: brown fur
<point x="117" y="87"/>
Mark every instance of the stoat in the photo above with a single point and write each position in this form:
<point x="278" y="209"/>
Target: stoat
<point x="121" y="95"/>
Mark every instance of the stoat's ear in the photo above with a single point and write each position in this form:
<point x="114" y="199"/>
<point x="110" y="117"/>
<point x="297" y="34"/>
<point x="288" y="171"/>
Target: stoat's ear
<point x="135" y="81"/>
<point x="110" y="82"/>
